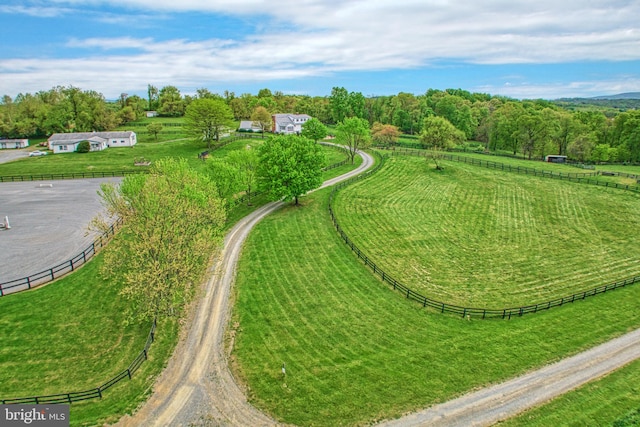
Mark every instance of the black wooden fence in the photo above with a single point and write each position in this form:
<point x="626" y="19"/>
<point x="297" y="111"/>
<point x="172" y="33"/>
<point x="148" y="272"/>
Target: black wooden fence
<point x="94" y="393"/>
<point x="582" y="177"/>
<point x="59" y="270"/>
<point x="70" y="175"/>
<point x="443" y="307"/>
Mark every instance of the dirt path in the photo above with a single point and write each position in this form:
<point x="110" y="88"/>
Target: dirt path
<point x="490" y="405"/>
<point x="197" y="387"/>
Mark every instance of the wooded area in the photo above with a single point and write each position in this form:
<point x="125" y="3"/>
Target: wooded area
<point x="582" y="130"/>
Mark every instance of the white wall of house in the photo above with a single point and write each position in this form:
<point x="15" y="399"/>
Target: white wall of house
<point x="13" y="143"/>
<point x="64" y="148"/>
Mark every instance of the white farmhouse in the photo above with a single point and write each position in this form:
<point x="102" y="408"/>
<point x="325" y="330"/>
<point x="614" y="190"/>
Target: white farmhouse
<point x="68" y="142"/>
<point x="288" y="123"/>
<point x="13" y="143"/>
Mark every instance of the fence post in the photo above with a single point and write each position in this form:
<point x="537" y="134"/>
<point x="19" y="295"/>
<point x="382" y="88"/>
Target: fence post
<point x="71" y="264"/>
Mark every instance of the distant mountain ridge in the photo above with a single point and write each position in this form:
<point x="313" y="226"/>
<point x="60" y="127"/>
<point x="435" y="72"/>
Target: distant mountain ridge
<point x="626" y="95"/>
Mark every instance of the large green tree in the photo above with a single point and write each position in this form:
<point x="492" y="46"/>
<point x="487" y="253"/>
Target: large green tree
<point x="207" y="119"/>
<point x="354" y="134"/>
<point x="170" y="102"/>
<point x="290" y="166"/>
<point x="262" y="118"/>
<point x="245" y="162"/>
<point x="439" y="134"/>
<point x="172" y="224"/>
<point x="314" y="129"/>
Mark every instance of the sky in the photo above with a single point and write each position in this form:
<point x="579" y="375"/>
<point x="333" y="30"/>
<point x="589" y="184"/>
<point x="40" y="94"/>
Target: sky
<point x="517" y="48"/>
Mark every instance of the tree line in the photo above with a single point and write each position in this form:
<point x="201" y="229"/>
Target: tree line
<point x="534" y="128"/>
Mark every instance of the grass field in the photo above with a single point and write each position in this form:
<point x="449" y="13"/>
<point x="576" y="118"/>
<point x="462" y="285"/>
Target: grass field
<point x="483" y="238"/>
<point x="599" y="403"/>
<point x="357" y="352"/>
<point x="71" y="336"/>
<point x="122" y="159"/>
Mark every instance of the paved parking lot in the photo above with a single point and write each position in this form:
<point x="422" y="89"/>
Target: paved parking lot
<point x="49" y="221"/>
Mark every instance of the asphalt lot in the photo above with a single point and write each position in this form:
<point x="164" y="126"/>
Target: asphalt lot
<point x="48" y="220"/>
<point x="9" y="155"/>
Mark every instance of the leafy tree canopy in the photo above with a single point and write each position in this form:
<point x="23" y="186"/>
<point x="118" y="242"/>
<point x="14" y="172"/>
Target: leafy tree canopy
<point x="290" y="166"/>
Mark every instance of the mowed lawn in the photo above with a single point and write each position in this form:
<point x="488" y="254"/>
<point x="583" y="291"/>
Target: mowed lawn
<point x="71" y="336"/>
<point x="356" y="351"/>
<point x="479" y="237"/>
<point x="599" y="403"/>
<point x="122" y="159"/>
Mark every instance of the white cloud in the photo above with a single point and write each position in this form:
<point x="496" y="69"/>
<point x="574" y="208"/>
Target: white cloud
<point x="578" y="89"/>
<point x="330" y="36"/>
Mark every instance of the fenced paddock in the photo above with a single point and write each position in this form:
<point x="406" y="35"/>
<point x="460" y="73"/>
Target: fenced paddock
<point x="530" y="305"/>
<point x="93" y="393"/>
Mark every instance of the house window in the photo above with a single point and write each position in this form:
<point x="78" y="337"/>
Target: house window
<point x="63" y="148"/>
<point x="122" y="141"/>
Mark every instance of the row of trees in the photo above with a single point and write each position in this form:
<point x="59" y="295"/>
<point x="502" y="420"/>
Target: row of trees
<point x="532" y="127"/>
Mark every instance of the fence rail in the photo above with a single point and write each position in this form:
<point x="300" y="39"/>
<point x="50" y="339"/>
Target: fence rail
<point x="443" y="307"/>
<point x="71" y="175"/>
<point x="580" y="177"/>
<point x="60" y="270"/>
<point x="93" y="393"/>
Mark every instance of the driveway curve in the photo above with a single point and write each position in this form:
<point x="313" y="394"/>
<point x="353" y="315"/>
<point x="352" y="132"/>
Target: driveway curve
<point x="197" y="387"/>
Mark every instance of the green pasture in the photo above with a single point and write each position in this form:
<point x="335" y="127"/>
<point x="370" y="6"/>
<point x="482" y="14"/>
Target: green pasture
<point x="599" y="403"/>
<point x="70" y="336"/>
<point x="356" y="351"/>
<point x="122" y="159"/>
<point x="478" y="237"/>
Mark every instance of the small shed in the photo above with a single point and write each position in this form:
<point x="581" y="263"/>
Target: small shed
<point x="555" y="159"/>
<point x="13" y="143"/>
<point x="249" y="126"/>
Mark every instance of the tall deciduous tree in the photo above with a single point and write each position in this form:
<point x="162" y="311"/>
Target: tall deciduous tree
<point x="339" y="104"/>
<point x="439" y="134"/>
<point x="206" y="119"/>
<point x="262" y="118"/>
<point x="172" y="224"/>
<point x="154" y="129"/>
<point x="246" y="164"/>
<point x="170" y="102"/>
<point x="354" y="134"/>
<point x="290" y="166"/>
<point x="314" y="129"/>
<point x="385" y="134"/>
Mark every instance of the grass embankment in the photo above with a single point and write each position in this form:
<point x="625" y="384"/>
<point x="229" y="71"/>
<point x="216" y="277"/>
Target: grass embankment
<point x="357" y="352"/>
<point x="477" y="237"/>
<point x="600" y="403"/>
<point x="71" y="336"/>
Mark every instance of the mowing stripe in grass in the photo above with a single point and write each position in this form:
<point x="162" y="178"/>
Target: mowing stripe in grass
<point x="490" y="239"/>
<point x="355" y="353"/>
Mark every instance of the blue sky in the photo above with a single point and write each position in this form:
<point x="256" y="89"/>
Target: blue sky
<point x="522" y="49"/>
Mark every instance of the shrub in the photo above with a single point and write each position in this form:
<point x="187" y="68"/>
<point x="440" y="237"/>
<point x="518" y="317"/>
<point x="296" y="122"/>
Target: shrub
<point x="84" y="147"/>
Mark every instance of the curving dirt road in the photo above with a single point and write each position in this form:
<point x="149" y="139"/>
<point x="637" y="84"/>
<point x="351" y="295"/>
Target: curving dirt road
<point x="197" y="387"/>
